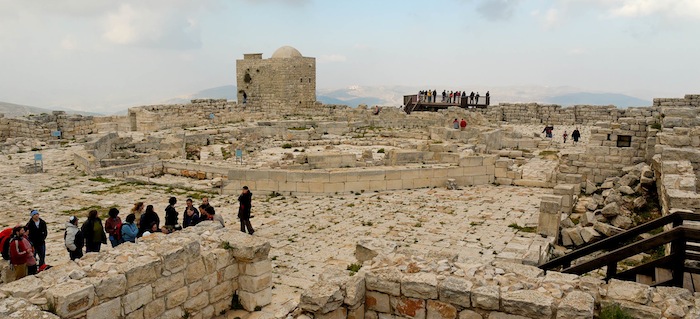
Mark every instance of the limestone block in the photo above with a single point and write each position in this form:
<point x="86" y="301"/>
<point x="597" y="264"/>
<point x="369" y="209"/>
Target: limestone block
<point x="71" y="298"/>
<point x="176" y="298"/>
<point x="377" y="301"/>
<point x="106" y="310"/>
<point x="176" y="257"/>
<point x="223" y="290"/>
<point x="176" y="313"/>
<point x="26" y="287"/>
<point x="196" y="303"/>
<point x="245" y="248"/>
<point x="550" y="216"/>
<point x="455" y="290"/>
<point x="533" y="304"/>
<point x="154" y="309"/>
<point x="387" y="280"/>
<point x="574" y="234"/>
<point x="587" y="219"/>
<point x="611" y="210"/>
<point x="137" y="299"/>
<point x="322" y="297"/>
<point x="408" y="307"/>
<point x="340" y="313"/>
<point x="486" y="297"/>
<point x="576" y="305"/>
<point x="167" y="284"/>
<point x="419" y="285"/>
<point x="522" y="270"/>
<point x="144" y="269"/>
<point x="357" y="312"/>
<point x="471" y="161"/>
<point x="354" y="291"/>
<point x="606" y="229"/>
<point x="629" y="291"/>
<point x="255" y="283"/>
<point x="635" y="310"/>
<point x="194" y="272"/>
<point x="440" y="310"/>
<point x="255" y="268"/>
<point x="252" y="300"/>
<point x="469" y="314"/>
<point x="589" y="234"/>
<point x="621" y="221"/>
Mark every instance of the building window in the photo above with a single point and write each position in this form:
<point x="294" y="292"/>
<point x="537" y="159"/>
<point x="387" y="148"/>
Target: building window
<point x="624" y="141"/>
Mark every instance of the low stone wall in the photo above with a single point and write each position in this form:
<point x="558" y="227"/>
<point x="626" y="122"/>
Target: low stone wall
<point x="193" y="273"/>
<point x="41" y="126"/>
<point x="195" y="170"/>
<point x="472" y="170"/>
<point x="158" y="117"/>
<point x="543" y="114"/>
<point x="690" y="100"/>
<point x="411" y="287"/>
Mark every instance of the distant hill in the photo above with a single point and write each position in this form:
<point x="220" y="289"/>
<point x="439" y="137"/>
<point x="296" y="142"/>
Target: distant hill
<point x="585" y="98"/>
<point x="352" y="102"/>
<point x="18" y="110"/>
<point x="220" y="92"/>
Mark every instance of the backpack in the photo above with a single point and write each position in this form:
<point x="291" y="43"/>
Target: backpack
<point x="5" y="236"/>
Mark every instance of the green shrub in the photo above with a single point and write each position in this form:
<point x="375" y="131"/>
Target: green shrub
<point x="286" y="145"/>
<point x="354" y="268"/>
<point x="381" y="151"/>
<point x="613" y="311"/>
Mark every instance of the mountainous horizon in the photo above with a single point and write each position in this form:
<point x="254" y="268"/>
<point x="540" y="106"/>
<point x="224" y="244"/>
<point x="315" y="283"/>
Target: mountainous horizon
<point x="386" y="96"/>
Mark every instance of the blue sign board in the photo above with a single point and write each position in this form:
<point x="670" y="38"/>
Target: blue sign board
<point x="56" y="133"/>
<point x="37" y="157"/>
<point x="211" y="116"/>
<point x="239" y="153"/>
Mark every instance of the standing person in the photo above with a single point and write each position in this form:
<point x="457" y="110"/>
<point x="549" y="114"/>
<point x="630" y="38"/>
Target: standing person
<point x="137" y="210"/>
<point x="21" y="253"/>
<point x="245" y="200"/>
<point x="565" y="136"/>
<point x="576" y="135"/>
<point x="148" y="218"/>
<point x="94" y="232"/>
<point x="205" y="204"/>
<point x="113" y="226"/>
<point x="434" y="96"/>
<point x="245" y="98"/>
<point x="455" y="124"/>
<point x="471" y="98"/>
<point x="171" y="215"/>
<point x="462" y="125"/>
<point x="74" y="239"/>
<point x="430" y="96"/>
<point x="476" y="98"/>
<point x="444" y="95"/>
<point x="190" y="216"/>
<point x="37" y="236"/>
<point x="129" y="230"/>
<point x="488" y="98"/>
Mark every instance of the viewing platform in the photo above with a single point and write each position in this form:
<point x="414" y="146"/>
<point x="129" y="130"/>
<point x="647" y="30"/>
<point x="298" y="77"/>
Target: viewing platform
<point x="411" y="103"/>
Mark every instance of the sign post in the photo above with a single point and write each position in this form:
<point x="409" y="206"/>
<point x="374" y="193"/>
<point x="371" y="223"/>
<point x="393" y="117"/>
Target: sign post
<point x="239" y="156"/>
<point x="56" y="134"/>
<point x="38" y="163"/>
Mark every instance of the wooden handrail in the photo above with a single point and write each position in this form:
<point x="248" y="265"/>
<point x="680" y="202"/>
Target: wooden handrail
<point x="628" y="251"/>
<point x="614" y="242"/>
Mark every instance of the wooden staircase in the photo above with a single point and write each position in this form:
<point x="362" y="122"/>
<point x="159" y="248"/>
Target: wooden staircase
<point x="680" y="241"/>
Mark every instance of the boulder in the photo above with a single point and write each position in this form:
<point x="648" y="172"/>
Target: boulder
<point x="589" y="234"/>
<point x="626" y="190"/>
<point x="575" y="235"/>
<point x="611" y="210"/>
<point x="639" y="202"/>
<point x="369" y="248"/>
<point x="606" y="229"/>
<point x="531" y="304"/>
<point x="628" y="180"/>
<point x="576" y="305"/>
<point x="590" y="187"/>
<point x="322" y="297"/>
<point x="621" y="221"/>
<point x="587" y="219"/>
<point x="629" y="291"/>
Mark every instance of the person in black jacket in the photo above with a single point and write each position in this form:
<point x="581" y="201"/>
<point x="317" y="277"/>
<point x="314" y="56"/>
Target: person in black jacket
<point x="171" y="215"/>
<point x="576" y="135"/>
<point x="148" y="218"/>
<point x="245" y="200"/>
<point x="94" y="232"/>
<point x="190" y="216"/>
<point x="37" y="236"/>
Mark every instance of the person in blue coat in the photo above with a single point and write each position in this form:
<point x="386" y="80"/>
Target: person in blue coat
<point x="129" y="229"/>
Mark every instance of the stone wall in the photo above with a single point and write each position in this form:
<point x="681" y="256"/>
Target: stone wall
<point x="41" y="126"/>
<point x="690" y="100"/>
<point x="543" y="114"/>
<point x="412" y="287"/>
<point x="158" y="117"/>
<point x="472" y="170"/>
<point x="193" y="273"/>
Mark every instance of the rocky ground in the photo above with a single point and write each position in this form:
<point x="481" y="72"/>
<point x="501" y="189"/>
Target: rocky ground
<point x="308" y="233"/>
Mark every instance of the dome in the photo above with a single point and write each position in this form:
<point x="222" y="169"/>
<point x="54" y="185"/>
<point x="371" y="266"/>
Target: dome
<point x="286" y="52"/>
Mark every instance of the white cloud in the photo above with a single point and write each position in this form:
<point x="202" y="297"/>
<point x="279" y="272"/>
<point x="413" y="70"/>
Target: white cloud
<point x="332" y="58"/>
<point x="69" y="43"/>
<point x="552" y="18"/>
<point x="497" y="9"/>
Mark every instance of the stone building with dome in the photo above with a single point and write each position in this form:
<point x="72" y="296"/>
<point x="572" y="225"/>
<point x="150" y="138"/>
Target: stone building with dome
<point x="287" y="80"/>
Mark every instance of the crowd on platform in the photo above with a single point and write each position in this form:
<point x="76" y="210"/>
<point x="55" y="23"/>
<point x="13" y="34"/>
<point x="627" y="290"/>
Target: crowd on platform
<point x="431" y="96"/>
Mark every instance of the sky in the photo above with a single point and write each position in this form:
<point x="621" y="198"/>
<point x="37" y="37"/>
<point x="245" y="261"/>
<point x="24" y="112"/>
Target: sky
<point x="105" y="55"/>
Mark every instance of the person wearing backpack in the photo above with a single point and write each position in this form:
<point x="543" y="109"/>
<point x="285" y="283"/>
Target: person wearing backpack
<point x="5" y="237"/>
<point x="113" y="227"/>
<point x="22" y="253"/>
<point x="129" y="230"/>
<point x="74" y="239"/>
<point x="37" y="232"/>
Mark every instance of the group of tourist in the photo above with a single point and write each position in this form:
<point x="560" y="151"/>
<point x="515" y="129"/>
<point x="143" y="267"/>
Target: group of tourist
<point x="549" y="133"/>
<point x="431" y="96"/>
<point x="459" y="125"/>
<point x="25" y="245"/>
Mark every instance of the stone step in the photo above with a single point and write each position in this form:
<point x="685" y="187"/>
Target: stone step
<point x="532" y="183"/>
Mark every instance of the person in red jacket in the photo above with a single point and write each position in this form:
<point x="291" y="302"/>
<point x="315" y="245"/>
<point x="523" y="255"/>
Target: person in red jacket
<point x="22" y="253"/>
<point x="462" y="125"/>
